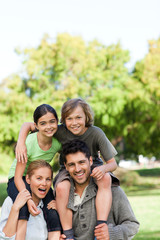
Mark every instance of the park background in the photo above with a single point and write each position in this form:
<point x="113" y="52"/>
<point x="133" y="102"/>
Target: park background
<point x="106" y="52"/>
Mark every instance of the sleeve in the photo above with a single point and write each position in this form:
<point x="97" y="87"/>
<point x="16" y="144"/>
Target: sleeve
<point x="5" y="210"/>
<point x="126" y="225"/>
<point x="105" y="147"/>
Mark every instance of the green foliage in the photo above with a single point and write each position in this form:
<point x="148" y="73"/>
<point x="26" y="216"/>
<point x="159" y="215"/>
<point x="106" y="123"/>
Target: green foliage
<point x="126" y="106"/>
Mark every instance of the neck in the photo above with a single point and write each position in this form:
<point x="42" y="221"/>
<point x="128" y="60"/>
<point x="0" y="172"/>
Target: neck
<point x="44" y="142"/>
<point x="35" y="199"/>
<point x="79" y="188"/>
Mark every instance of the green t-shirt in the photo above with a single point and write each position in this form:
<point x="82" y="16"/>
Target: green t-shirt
<point x="34" y="152"/>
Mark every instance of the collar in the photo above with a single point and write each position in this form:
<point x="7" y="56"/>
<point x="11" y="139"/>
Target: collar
<point x="89" y="194"/>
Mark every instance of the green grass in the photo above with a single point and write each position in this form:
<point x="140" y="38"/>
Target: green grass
<point x="144" y="196"/>
<point x="147" y="210"/>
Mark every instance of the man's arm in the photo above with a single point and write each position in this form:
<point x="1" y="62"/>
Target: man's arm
<point x="21" y="150"/>
<point x="126" y="224"/>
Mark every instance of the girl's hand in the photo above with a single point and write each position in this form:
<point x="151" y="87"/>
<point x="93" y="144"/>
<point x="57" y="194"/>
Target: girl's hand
<point x="52" y="204"/>
<point x="98" y="172"/>
<point x="21" y="152"/>
<point x="21" y="199"/>
<point x="32" y="208"/>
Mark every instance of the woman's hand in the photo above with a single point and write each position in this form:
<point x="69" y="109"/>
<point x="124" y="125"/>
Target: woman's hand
<point x="21" y="199"/>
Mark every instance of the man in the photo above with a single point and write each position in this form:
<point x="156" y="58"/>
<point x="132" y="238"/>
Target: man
<point x="121" y="223"/>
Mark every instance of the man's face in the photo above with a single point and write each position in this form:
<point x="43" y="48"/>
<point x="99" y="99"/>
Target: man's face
<point x="78" y="166"/>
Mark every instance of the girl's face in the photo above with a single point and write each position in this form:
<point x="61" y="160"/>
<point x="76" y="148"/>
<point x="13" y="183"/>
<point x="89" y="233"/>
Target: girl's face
<point x="76" y="121"/>
<point x="47" y="124"/>
<point x="40" y="183"/>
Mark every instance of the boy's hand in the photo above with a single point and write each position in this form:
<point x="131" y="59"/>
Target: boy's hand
<point x="21" y="152"/>
<point x="98" y="172"/>
<point x="32" y="208"/>
<point x="101" y="232"/>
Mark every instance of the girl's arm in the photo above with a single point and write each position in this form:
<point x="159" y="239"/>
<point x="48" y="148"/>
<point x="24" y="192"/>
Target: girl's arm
<point x="21" y="150"/>
<point x="10" y="227"/>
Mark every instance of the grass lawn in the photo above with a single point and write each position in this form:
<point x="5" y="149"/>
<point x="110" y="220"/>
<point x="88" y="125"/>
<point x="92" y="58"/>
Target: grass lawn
<point x="146" y="207"/>
<point x="144" y="198"/>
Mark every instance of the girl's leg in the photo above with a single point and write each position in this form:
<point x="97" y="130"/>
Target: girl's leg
<point x="62" y="197"/>
<point x="103" y="198"/>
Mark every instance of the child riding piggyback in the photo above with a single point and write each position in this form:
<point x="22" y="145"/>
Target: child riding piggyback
<point x="77" y="123"/>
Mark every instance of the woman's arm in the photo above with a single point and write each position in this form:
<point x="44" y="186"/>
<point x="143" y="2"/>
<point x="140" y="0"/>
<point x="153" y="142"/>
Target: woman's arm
<point x="21" y="150"/>
<point x="20" y="167"/>
<point x="10" y="227"/>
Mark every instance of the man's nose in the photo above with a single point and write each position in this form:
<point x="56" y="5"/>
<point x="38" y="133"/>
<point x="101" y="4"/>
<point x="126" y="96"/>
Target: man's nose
<point x="78" y="168"/>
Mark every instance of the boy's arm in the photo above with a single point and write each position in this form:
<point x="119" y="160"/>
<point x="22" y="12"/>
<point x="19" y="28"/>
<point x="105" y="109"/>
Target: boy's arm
<point x="21" y="150"/>
<point x="98" y="172"/>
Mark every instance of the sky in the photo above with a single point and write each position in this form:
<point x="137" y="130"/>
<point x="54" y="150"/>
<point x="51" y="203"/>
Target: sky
<point x="24" y="22"/>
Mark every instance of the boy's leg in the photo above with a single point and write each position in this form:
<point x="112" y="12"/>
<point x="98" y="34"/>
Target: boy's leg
<point x="103" y="198"/>
<point x="62" y="197"/>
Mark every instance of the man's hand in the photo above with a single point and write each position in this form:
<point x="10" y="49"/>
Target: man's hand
<point x="21" y="199"/>
<point x="32" y="208"/>
<point x="101" y="232"/>
<point x="21" y="152"/>
<point x="98" y="172"/>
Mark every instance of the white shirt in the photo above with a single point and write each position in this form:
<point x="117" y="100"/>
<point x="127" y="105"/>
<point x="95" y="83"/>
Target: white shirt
<point x="77" y="199"/>
<point x="36" y="226"/>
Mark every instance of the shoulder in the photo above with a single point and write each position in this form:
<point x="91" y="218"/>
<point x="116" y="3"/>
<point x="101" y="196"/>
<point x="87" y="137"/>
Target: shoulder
<point x="118" y="195"/>
<point x="56" y="142"/>
<point x="6" y="207"/>
<point x="96" y="130"/>
<point x="31" y="137"/>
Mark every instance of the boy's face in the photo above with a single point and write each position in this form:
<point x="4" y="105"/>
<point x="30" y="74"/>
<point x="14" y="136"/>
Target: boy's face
<point x="76" y="121"/>
<point x="78" y="166"/>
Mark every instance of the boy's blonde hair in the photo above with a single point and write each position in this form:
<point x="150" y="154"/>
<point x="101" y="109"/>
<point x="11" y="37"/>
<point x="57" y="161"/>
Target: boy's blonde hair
<point x="71" y="104"/>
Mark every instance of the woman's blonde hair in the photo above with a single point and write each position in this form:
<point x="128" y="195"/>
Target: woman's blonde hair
<point x="36" y="165"/>
<point x="71" y="104"/>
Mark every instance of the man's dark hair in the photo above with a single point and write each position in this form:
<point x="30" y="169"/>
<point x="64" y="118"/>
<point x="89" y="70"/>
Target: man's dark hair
<point x="74" y="147"/>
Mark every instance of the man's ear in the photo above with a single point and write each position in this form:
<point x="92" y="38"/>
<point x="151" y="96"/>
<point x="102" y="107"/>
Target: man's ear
<point x="28" y="179"/>
<point x="91" y="160"/>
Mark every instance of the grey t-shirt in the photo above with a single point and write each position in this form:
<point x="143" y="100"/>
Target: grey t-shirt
<point x="95" y="139"/>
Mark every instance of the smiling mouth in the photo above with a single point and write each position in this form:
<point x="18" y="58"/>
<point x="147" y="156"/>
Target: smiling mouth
<point x="42" y="190"/>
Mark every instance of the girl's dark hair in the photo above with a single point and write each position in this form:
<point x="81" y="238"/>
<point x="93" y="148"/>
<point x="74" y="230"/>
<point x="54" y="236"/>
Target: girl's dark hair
<point x="42" y="110"/>
<point x="71" y="104"/>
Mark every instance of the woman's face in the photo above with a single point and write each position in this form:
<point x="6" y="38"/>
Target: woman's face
<point x="40" y="183"/>
<point x="76" y="121"/>
<point x="47" y="125"/>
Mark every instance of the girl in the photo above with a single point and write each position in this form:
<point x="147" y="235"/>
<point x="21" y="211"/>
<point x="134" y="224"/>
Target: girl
<point x="39" y="177"/>
<point x="77" y="123"/>
<point x="40" y="145"/>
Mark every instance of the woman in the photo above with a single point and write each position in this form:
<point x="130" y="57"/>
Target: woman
<point x="39" y="177"/>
